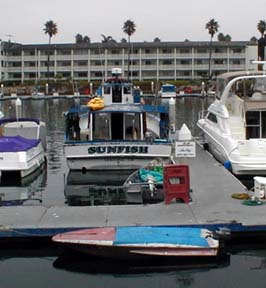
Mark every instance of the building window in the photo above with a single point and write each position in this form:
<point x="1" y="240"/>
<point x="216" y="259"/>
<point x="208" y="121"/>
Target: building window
<point x="98" y="74"/>
<point x="184" y="51"/>
<point x="64" y="52"/>
<point x="219" y="61"/>
<point x="184" y="62"/>
<point x="236" y="62"/>
<point x="167" y="51"/>
<point x="167" y="62"/>
<point x="237" y="50"/>
<point x="202" y="50"/>
<point x="82" y="74"/>
<point x="115" y="51"/>
<point x="81" y="63"/>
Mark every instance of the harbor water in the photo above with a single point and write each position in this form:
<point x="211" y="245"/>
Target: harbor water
<point x="34" y="264"/>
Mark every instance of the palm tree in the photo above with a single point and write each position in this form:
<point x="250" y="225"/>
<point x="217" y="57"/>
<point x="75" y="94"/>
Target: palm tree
<point x="86" y="39"/>
<point x="212" y="27"/>
<point x="50" y="28"/>
<point x="261" y="26"/>
<point x="108" y="39"/>
<point x="221" y="37"/>
<point x="129" y="28"/>
<point x="79" y="38"/>
<point x="156" y="40"/>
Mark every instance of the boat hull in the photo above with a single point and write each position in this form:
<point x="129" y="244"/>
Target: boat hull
<point x="240" y="163"/>
<point x="141" y="242"/>
<point x="22" y="162"/>
<point x="114" y="155"/>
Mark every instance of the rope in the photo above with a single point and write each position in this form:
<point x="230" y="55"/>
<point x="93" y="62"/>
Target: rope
<point x="255" y="202"/>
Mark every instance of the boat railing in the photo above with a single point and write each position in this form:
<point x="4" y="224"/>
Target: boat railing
<point x="202" y="114"/>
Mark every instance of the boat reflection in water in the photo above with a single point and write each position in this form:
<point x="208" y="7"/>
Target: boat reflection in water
<point x="81" y="263"/>
<point x="23" y="191"/>
<point x="93" y="188"/>
<point x="113" y="188"/>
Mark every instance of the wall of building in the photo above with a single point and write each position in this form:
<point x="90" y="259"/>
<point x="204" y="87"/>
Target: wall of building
<point x="148" y="61"/>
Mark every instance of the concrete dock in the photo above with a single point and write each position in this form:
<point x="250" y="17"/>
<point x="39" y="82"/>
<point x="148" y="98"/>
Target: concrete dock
<point x="212" y="206"/>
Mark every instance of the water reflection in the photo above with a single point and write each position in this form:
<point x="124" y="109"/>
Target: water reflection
<point x="95" y="188"/>
<point x="81" y="263"/>
<point x="25" y="191"/>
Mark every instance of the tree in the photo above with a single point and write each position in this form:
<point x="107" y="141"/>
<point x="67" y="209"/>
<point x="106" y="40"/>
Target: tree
<point x="50" y="28"/>
<point x="123" y="40"/>
<point x="129" y="28"/>
<point x="212" y="27"/>
<point x="108" y="39"/>
<point x="86" y="39"/>
<point x="224" y="38"/>
<point x="261" y="26"/>
<point x="227" y="38"/>
<point x="253" y="39"/>
<point x="156" y="40"/>
<point x="81" y="39"/>
<point x="221" y="37"/>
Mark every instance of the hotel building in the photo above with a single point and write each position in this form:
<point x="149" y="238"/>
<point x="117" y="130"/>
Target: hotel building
<point x="158" y="61"/>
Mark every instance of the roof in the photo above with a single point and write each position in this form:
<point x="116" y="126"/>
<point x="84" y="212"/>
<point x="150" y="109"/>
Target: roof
<point x="231" y="75"/>
<point x="120" y="108"/>
<point x="119" y="45"/>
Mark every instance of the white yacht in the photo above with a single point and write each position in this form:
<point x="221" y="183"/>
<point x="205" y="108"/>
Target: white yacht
<point x="234" y="126"/>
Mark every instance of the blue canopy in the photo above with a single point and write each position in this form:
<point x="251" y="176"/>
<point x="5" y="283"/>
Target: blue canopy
<point x="16" y="143"/>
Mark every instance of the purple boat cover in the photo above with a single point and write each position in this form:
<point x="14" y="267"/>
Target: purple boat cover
<point x="16" y="143"/>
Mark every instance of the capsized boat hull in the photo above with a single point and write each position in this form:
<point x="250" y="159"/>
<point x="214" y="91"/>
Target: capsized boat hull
<point x="141" y="242"/>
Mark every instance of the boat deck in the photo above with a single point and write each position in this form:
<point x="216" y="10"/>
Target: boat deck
<point x="211" y="207"/>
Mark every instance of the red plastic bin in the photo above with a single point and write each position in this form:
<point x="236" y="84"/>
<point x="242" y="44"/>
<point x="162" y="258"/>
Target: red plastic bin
<point x="176" y="183"/>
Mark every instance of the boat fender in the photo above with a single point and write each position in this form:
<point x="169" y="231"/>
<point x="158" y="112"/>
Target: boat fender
<point x="228" y="165"/>
<point x="206" y="146"/>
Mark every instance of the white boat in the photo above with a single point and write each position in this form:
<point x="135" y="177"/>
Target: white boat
<point x="37" y="95"/>
<point x="234" y="126"/>
<point x="167" y="91"/>
<point x="117" y="132"/>
<point x="22" y="146"/>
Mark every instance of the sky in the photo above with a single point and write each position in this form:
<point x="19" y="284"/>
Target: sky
<point x="22" y="21"/>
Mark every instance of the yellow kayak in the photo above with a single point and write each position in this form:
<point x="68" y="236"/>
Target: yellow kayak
<point x="96" y="103"/>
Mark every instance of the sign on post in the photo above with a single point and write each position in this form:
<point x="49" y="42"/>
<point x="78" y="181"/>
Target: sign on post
<point x="185" y="149"/>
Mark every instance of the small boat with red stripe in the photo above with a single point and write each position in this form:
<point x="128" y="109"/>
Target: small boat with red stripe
<point x="133" y="242"/>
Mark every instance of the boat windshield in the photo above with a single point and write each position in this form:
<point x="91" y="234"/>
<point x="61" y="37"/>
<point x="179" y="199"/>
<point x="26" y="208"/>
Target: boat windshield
<point x="243" y="88"/>
<point x="220" y="86"/>
<point x="168" y="88"/>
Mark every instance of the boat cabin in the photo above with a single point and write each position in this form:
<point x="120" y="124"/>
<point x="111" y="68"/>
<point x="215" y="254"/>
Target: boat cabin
<point x="245" y="102"/>
<point x="118" y="90"/>
<point x="168" y="90"/>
